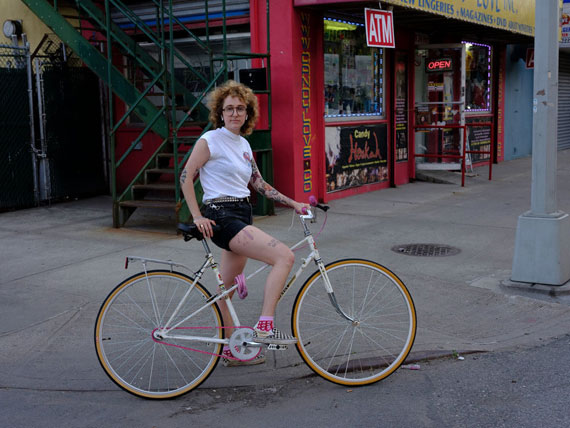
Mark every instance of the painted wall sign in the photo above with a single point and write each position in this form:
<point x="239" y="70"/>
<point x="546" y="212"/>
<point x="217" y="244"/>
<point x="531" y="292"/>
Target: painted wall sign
<point x="439" y="64"/>
<point x="516" y="16"/>
<point x="379" y="28"/>
<point x="306" y="101"/>
<point x="356" y="156"/>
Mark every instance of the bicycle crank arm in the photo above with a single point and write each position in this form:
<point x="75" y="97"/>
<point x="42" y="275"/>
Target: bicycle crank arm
<point x="252" y="344"/>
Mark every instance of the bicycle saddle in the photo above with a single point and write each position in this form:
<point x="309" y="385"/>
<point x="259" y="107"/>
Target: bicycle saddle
<point x="190" y="231"/>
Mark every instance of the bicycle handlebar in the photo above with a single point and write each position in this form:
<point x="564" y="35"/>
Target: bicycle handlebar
<point x="314" y="203"/>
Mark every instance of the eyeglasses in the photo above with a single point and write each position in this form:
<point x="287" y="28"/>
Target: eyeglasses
<point x="239" y="110"/>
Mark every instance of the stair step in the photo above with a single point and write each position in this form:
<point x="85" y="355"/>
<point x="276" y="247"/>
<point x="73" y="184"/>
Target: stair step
<point x="171" y="155"/>
<point x="160" y="171"/>
<point x="154" y="186"/>
<point x="188" y="139"/>
<point x="178" y="107"/>
<point x="192" y="122"/>
<point x="148" y="204"/>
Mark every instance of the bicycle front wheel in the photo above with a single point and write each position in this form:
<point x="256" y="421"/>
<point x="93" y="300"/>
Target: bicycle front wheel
<point x="138" y="361"/>
<point x="375" y="336"/>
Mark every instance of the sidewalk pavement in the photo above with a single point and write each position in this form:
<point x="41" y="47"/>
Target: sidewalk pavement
<point x="58" y="263"/>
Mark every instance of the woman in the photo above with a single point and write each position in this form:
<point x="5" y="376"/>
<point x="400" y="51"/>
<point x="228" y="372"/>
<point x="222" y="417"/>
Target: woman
<point x="225" y="162"/>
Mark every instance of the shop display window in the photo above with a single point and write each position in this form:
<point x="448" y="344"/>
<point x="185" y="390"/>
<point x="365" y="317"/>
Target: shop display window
<point x="354" y="78"/>
<point x="477" y="77"/>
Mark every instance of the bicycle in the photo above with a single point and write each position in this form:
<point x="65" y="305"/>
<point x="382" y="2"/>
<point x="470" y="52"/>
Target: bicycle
<point x="159" y="333"/>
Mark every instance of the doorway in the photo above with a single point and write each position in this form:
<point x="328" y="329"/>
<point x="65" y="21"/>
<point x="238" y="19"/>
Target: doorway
<point x="439" y="107"/>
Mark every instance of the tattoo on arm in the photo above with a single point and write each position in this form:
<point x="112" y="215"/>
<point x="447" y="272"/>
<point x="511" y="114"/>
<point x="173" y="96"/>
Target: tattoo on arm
<point x="185" y="173"/>
<point x="265" y="188"/>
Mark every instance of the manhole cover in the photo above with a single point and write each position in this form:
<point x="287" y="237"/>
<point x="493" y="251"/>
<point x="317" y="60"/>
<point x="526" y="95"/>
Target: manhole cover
<point x="426" y="250"/>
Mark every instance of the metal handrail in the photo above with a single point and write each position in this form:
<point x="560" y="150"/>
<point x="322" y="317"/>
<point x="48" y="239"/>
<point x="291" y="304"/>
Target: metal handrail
<point x="464" y="152"/>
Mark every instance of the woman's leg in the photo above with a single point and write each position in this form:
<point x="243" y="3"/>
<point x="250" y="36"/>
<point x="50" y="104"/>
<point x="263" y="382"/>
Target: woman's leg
<point x="253" y="243"/>
<point x="231" y="265"/>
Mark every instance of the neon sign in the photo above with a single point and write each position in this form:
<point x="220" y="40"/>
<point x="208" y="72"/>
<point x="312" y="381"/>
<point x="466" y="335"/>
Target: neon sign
<point x="438" y="65"/>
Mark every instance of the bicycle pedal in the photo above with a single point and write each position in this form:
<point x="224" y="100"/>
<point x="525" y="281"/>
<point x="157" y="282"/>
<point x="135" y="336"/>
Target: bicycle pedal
<point x="275" y="347"/>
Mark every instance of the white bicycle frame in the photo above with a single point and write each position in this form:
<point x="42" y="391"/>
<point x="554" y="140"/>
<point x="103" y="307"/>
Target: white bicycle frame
<point x="168" y="332"/>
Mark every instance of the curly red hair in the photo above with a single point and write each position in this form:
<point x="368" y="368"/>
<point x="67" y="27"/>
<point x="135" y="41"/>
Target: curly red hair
<point x="232" y="88"/>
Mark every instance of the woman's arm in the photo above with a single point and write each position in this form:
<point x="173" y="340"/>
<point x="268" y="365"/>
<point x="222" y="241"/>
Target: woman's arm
<point x="267" y="190"/>
<point x="199" y="156"/>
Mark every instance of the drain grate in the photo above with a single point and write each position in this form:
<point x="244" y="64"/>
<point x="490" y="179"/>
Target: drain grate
<point x="426" y="250"/>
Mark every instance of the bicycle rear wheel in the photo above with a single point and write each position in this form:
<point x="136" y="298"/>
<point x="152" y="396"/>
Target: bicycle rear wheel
<point x="377" y="338"/>
<point x="142" y="364"/>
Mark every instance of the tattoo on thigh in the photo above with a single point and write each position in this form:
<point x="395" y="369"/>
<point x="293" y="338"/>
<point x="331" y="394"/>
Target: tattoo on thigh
<point x="249" y="235"/>
<point x="273" y="243"/>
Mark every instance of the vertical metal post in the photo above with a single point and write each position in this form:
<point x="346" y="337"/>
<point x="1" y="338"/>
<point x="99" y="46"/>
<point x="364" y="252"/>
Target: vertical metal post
<point x="463" y="154"/>
<point x="45" y="184"/>
<point x="225" y="44"/>
<point x="269" y="111"/>
<point x="210" y="53"/>
<point x="173" y="131"/>
<point x="32" y="123"/>
<point x="116" y="214"/>
<point x="492" y="150"/>
<point x="542" y="246"/>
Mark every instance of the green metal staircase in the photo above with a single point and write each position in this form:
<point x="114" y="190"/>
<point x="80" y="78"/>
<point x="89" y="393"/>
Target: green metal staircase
<point x="165" y="106"/>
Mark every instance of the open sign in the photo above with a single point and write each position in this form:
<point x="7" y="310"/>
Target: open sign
<point x="439" y="64"/>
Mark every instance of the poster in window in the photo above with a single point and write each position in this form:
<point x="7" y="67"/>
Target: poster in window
<point x="401" y="109"/>
<point x="331" y="69"/>
<point x="356" y="156"/>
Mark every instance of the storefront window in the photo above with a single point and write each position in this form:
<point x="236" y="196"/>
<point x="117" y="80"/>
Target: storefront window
<point x="477" y="77"/>
<point x="353" y="72"/>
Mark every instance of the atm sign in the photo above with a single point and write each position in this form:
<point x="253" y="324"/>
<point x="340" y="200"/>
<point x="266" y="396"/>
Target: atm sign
<point x="440" y="64"/>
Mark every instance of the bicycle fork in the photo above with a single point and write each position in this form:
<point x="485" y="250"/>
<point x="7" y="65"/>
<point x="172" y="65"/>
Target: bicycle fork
<point x="315" y="256"/>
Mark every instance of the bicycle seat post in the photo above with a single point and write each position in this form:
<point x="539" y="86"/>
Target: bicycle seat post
<point x="206" y="246"/>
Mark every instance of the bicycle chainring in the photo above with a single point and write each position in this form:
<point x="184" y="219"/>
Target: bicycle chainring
<point x="238" y="346"/>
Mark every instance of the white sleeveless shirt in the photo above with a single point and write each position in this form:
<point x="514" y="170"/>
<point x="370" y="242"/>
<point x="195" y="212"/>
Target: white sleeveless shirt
<point x="228" y="171"/>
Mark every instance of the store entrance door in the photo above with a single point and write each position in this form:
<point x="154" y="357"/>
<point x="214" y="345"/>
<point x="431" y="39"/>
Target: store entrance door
<point x="439" y="101"/>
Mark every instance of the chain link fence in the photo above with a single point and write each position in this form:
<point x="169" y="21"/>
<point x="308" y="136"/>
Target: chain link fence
<point x="70" y="108"/>
<point x="52" y="144"/>
<point x="17" y="189"/>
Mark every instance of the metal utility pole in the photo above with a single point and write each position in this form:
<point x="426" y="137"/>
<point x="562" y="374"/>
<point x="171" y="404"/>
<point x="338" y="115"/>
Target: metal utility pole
<point x="542" y="246"/>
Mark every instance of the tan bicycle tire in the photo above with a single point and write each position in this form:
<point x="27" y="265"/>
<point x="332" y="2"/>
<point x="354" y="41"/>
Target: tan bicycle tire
<point x="144" y="326"/>
<point x="350" y="357"/>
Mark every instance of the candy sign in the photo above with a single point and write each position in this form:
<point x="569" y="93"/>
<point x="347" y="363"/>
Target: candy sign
<point x="379" y="28"/>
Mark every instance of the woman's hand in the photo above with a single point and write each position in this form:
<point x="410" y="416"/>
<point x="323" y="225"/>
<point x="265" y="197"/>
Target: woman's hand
<point x="300" y="207"/>
<point x="205" y="226"/>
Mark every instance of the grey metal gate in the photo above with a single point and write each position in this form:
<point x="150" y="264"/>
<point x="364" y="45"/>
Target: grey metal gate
<point x="71" y="135"/>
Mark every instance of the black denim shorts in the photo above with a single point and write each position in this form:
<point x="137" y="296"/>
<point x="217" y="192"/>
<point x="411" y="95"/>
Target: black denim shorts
<point x="232" y="217"/>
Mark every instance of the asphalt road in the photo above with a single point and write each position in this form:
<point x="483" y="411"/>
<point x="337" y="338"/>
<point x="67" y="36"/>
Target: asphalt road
<point x="515" y="388"/>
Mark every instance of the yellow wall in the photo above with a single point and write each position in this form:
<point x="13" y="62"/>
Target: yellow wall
<point x="32" y="25"/>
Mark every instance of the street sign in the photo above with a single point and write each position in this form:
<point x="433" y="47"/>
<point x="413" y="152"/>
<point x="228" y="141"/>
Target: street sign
<point x="379" y="28"/>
